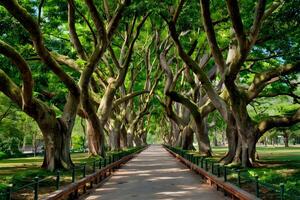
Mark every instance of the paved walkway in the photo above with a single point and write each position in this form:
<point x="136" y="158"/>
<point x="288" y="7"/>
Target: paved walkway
<point x="154" y="174"/>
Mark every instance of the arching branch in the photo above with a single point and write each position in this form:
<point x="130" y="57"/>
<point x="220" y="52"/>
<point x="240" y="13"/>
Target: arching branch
<point x="24" y="69"/>
<point x="127" y="97"/>
<point x="72" y="30"/>
<point x="281" y="121"/>
<point x="264" y="78"/>
<point x="211" y="37"/>
<point x="234" y="13"/>
<point x="29" y="23"/>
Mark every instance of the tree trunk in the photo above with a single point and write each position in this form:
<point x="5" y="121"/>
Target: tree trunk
<point x="138" y="141"/>
<point x="95" y="142"/>
<point x="248" y="135"/>
<point x="234" y="144"/>
<point x="215" y="140"/>
<point x="286" y="139"/>
<point x="187" y="138"/>
<point x="123" y="137"/>
<point x="144" y="138"/>
<point x="176" y="134"/>
<point x="202" y="137"/>
<point x="57" y="145"/>
<point x="129" y="139"/>
<point x="114" y="136"/>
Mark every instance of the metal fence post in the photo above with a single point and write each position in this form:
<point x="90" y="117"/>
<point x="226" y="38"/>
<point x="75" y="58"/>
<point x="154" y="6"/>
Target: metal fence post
<point x="256" y="186"/>
<point x="83" y="170"/>
<point x="36" y="188"/>
<point x="73" y="174"/>
<point x="239" y="177"/>
<point x="218" y="171"/>
<point x="94" y="166"/>
<point x="212" y="167"/>
<point x="206" y="164"/>
<point x="281" y="191"/>
<point x="225" y="173"/>
<point x="99" y="163"/>
<point x="9" y="191"/>
<point x="57" y="179"/>
<point x="104" y="162"/>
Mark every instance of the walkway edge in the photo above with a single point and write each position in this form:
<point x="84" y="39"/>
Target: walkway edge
<point x="229" y="188"/>
<point x="96" y="178"/>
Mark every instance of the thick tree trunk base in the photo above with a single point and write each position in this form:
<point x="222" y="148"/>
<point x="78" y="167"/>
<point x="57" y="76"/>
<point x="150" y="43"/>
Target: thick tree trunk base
<point x="95" y="143"/>
<point x="187" y="138"/>
<point x="57" y="151"/>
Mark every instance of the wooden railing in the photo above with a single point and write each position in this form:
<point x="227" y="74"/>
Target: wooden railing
<point x="229" y="189"/>
<point x="74" y="190"/>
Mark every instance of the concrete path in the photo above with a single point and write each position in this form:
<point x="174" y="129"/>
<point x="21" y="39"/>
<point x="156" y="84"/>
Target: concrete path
<point x="154" y="174"/>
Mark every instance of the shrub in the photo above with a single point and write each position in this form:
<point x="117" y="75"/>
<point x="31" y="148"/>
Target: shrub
<point x="3" y="155"/>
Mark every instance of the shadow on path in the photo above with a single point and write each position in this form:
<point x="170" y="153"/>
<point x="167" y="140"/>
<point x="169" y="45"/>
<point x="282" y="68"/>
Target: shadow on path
<point x="154" y="174"/>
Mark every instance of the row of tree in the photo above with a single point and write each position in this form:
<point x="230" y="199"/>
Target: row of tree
<point x="83" y="52"/>
<point x="251" y="60"/>
<point x="104" y="62"/>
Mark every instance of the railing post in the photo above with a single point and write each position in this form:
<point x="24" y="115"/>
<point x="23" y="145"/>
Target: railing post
<point x="212" y="167"/>
<point x="57" y="179"/>
<point x="100" y="163"/>
<point x="202" y="162"/>
<point x="206" y="166"/>
<point x="104" y="162"/>
<point x="73" y="174"/>
<point x="9" y="191"/>
<point x="94" y="166"/>
<point x="281" y="191"/>
<point x="225" y="173"/>
<point x="36" y="188"/>
<point x="83" y="170"/>
<point x="239" y="177"/>
<point x="218" y="170"/>
<point x="256" y="186"/>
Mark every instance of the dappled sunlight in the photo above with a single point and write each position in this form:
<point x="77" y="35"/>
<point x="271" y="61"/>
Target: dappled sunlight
<point x="154" y="174"/>
<point x="164" y="178"/>
<point x="107" y="189"/>
<point x="172" y="193"/>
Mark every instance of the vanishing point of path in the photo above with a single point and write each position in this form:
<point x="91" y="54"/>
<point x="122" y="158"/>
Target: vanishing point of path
<point x="154" y="174"/>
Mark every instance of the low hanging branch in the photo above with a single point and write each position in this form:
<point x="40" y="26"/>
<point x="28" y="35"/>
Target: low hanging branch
<point x="261" y="80"/>
<point x="281" y="121"/>
<point x="29" y="23"/>
<point x="128" y="97"/>
<point x="215" y="98"/>
<point x="6" y="113"/>
<point x="24" y="69"/>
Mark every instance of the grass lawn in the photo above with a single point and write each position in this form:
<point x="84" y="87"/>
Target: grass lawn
<point x="276" y="165"/>
<point x="20" y="170"/>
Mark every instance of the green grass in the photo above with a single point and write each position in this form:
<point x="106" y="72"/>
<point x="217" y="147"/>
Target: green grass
<point x="23" y="170"/>
<point x="20" y="171"/>
<point x="3" y="155"/>
<point x="276" y="165"/>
